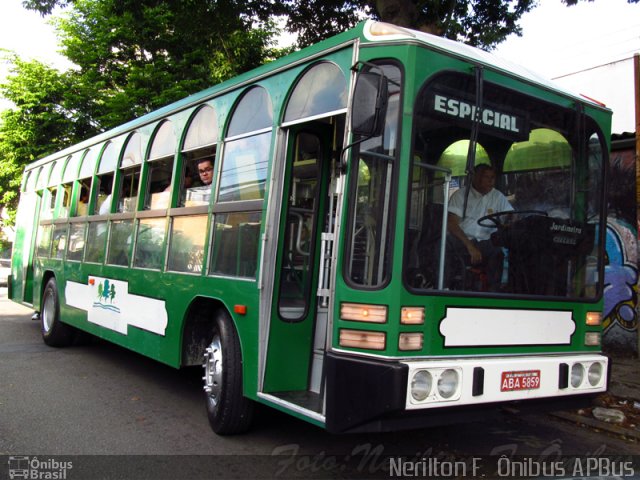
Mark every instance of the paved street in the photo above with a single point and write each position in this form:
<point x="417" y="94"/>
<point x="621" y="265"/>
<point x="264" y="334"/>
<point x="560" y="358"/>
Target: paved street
<point x="103" y="400"/>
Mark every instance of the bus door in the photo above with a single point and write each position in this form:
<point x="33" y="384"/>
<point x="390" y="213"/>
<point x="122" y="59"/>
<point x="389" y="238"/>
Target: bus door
<point x="297" y="331"/>
<point x="24" y="247"/>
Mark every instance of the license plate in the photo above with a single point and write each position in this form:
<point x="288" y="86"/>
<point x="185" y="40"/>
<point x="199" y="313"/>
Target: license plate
<point x="523" y="380"/>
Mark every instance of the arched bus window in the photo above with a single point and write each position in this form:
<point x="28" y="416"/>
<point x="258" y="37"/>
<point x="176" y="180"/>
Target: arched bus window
<point x="198" y="158"/>
<point x="320" y="90"/>
<point x="188" y="232"/>
<point x="106" y="158"/>
<point x="59" y="240"/>
<point x="242" y="180"/>
<point x="103" y="189"/>
<point x="44" y="231"/>
<point x="68" y="177"/>
<point x="88" y="160"/>
<point x="47" y="199"/>
<point x="26" y="180"/>
<point x="121" y="230"/>
<point x="77" y="230"/>
<point x="160" y="162"/>
<point x="149" y="251"/>
<point x="244" y="166"/>
<point x="53" y="186"/>
<point x="130" y="174"/>
<point x="30" y="182"/>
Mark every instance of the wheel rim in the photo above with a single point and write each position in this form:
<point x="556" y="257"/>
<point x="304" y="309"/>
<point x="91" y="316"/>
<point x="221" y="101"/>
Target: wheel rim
<point x="213" y="369"/>
<point x="48" y="312"/>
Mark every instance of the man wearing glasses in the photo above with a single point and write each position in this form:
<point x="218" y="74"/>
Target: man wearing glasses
<point x="205" y="171"/>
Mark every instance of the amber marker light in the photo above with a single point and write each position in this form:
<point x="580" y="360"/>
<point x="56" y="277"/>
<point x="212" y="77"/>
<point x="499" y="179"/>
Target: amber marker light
<point x="362" y="339"/>
<point x="594" y="319"/>
<point x="592" y="339"/>
<point x="240" y="309"/>
<point x="363" y="313"/>
<point x="410" y="341"/>
<point x="412" y="315"/>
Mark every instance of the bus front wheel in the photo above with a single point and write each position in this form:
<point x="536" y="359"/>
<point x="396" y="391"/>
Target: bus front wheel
<point x="229" y="411"/>
<point x="54" y="332"/>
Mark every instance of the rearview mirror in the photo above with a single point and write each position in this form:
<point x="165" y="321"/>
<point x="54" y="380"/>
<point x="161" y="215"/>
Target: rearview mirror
<point x="369" y="104"/>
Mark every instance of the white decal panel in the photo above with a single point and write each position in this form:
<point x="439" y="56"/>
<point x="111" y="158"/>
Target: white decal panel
<point x="109" y="304"/>
<point x="474" y="327"/>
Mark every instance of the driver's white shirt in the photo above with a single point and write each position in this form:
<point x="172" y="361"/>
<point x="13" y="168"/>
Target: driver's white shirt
<point x="478" y="206"/>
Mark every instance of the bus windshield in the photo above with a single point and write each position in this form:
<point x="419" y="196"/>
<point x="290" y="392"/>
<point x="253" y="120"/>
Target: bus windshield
<point x="510" y="205"/>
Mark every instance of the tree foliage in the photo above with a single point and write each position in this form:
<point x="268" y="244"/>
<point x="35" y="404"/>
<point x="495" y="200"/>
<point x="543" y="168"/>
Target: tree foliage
<point x="44" y="119"/>
<point x="481" y="23"/>
<point x="132" y="57"/>
<point x="135" y="56"/>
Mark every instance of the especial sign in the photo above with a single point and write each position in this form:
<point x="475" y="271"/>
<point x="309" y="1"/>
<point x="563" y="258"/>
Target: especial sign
<point x="502" y="123"/>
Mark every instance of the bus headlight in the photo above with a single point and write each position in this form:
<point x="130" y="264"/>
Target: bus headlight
<point x="577" y="375"/>
<point x="594" y="375"/>
<point x="421" y="384"/>
<point x="448" y="383"/>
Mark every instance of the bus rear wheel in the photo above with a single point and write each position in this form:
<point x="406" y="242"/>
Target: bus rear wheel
<point x="229" y="411"/>
<point x="54" y="332"/>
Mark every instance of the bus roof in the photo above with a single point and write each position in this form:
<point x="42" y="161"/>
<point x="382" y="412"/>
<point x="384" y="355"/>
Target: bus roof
<point x="368" y="31"/>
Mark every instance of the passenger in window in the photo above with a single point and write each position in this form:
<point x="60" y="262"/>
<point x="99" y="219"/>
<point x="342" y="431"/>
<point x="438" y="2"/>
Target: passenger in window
<point x="205" y="171"/>
<point x="83" y="202"/>
<point x="197" y="191"/>
<point x="104" y="194"/>
<point x="470" y="238"/>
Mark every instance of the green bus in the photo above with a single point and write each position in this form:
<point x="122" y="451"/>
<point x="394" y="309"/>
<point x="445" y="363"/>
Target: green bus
<point x="290" y="230"/>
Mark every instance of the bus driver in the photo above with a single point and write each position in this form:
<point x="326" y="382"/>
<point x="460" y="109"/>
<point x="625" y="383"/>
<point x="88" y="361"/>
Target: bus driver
<point x="474" y="239"/>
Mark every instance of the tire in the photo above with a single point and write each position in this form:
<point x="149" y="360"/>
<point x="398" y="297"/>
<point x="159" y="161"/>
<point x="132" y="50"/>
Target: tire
<point x="229" y="411"/>
<point x="54" y="332"/>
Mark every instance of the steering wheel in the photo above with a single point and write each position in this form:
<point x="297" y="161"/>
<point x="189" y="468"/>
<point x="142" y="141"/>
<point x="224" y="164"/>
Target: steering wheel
<point x="494" y="219"/>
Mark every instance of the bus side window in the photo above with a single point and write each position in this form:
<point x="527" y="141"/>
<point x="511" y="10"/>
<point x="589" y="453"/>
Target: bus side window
<point x="128" y="196"/>
<point x="159" y="180"/>
<point x="199" y="153"/>
<point x="82" y="208"/>
<point x="66" y="199"/>
<point x="104" y="192"/>
<point x="160" y="163"/>
<point x="186" y="248"/>
<point x="130" y="164"/>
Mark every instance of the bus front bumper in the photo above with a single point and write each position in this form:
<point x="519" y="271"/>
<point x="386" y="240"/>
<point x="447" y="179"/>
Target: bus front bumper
<point x="366" y="394"/>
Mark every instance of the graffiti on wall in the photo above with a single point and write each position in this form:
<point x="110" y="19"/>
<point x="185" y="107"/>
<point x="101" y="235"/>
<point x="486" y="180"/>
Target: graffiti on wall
<point x="621" y="271"/>
<point x="620" y="290"/>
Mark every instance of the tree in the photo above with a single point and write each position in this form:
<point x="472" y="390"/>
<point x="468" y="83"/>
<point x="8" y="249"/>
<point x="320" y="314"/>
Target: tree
<point x="481" y="23"/>
<point x="132" y="57"/>
<point x="135" y="56"/>
<point x="42" y="121"/>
